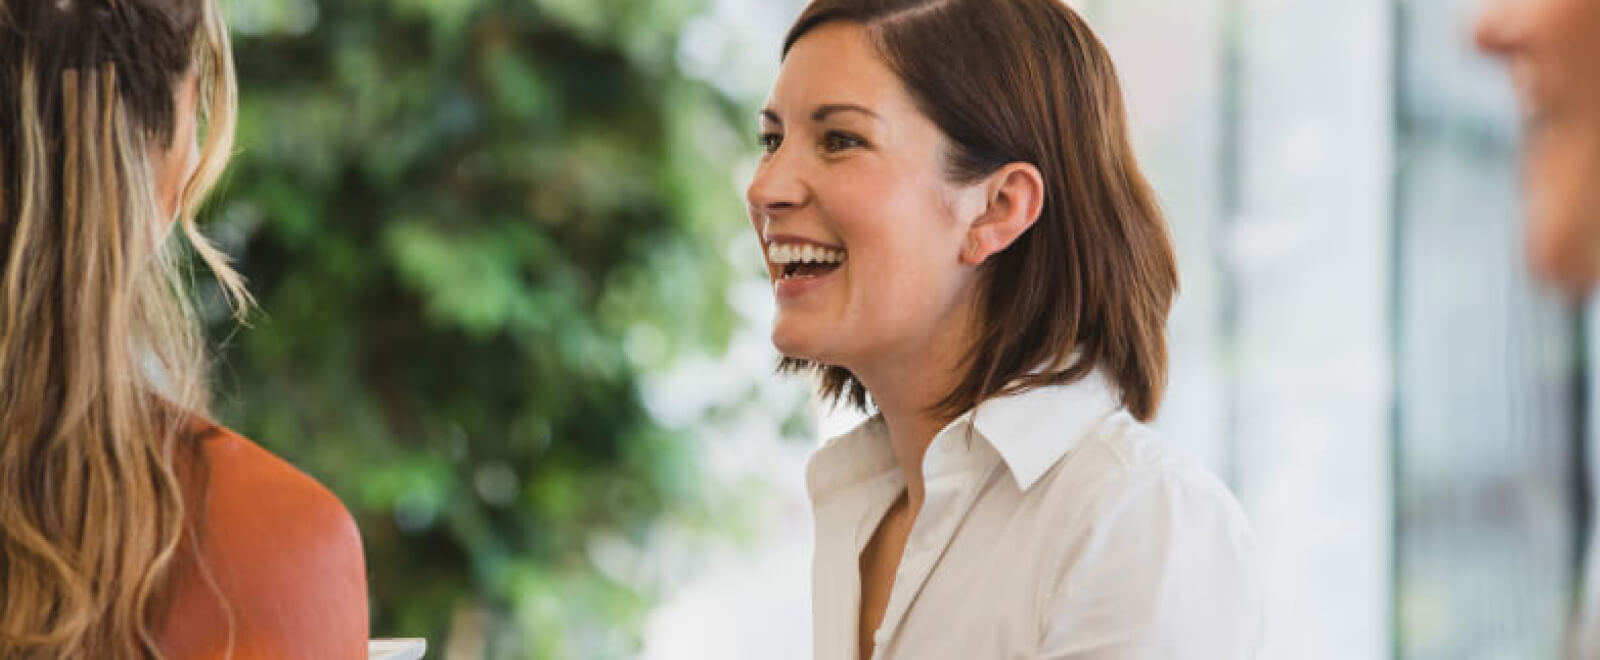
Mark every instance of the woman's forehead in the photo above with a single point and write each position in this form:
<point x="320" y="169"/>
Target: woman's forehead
<point x="836" y="64"/>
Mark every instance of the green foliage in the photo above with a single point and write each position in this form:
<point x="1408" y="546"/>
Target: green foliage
<point x="472" y="224"/>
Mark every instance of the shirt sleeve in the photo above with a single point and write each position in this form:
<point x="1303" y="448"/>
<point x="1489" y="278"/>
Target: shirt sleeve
<point x="1163" y="568"/>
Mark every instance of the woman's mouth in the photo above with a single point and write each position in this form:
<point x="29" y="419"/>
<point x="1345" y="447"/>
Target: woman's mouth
<point x="796" y="261"/>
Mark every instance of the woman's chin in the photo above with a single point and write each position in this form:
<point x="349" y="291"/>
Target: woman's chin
<point x="798" y="345"/>
<point x="1562" y="250"/>
<point x="1564" y="219"/>
<point x="792" y="351"/>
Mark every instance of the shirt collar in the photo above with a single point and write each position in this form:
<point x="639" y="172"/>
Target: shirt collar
<point x="1030" y="430"/>
<point x="852" y="458"/>
<point x="1033" y="429"/>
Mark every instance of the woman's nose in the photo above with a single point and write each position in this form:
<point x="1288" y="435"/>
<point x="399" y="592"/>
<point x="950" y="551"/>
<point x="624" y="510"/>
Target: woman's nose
<point x="1499" y="25"/>
<point x="777" y="186"/>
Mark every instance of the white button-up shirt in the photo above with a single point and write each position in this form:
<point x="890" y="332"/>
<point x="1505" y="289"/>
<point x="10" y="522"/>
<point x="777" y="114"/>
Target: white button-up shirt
<point x="1054" y="525"/>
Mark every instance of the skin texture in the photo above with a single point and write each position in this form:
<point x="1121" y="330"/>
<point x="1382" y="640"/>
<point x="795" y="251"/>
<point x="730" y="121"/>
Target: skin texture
<point x="284" y="552"/>
<point x="879" y="561"/>
<point x="900" y="313"/>
<point x="1553" y="49"/>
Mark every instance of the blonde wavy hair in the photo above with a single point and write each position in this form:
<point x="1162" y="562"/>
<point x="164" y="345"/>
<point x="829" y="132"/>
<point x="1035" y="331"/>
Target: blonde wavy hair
<point x="103" y="371"/>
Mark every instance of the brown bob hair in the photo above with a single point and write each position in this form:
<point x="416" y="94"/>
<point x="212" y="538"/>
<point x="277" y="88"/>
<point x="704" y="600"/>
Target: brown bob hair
<point x="1091" y="283"/>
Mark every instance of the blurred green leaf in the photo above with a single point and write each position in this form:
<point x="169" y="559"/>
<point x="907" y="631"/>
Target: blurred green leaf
<point x="470" y="224"/>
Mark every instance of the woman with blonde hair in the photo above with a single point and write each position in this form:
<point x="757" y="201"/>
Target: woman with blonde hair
<point x="960" y="238"/>
<point x="131" y="525"/>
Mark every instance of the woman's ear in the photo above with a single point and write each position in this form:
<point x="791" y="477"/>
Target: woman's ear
<point x="1015" y="198"/>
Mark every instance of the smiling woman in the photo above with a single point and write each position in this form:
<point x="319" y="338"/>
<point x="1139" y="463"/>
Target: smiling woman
<point x="958" y="236"/>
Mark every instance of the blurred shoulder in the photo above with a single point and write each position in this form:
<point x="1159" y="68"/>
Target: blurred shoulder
<point x="285" y="552"/>
<point x="251" y="490"/>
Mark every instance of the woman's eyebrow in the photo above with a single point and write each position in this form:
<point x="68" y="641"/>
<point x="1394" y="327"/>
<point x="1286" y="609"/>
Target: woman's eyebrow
<point x="822" y="112"/>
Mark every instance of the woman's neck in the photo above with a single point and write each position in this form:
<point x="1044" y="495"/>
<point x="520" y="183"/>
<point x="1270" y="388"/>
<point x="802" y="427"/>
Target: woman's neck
<point x="907" y="388"/>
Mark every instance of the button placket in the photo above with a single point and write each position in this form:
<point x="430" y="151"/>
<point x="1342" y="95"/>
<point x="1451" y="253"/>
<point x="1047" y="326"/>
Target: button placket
<point x="952" y="484"/>
<point x="837" y="596"/>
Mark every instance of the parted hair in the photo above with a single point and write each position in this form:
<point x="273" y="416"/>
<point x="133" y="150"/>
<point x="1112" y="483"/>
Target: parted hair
<point x="102" y="367"/>
<point x="1091" y="283"/>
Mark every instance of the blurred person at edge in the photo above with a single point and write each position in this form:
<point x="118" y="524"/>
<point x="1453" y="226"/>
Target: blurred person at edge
<point x="1553" y="48"/>
<point x="131" y="525"/>
<point x="959" y="237"/>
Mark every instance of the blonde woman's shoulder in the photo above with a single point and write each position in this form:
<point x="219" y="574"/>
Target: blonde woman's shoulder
<point x="283" y="552"/>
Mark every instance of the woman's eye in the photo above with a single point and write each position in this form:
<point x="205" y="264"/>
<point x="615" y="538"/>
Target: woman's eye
<point x="770" y="142"/>
<point x="836" y="141"/>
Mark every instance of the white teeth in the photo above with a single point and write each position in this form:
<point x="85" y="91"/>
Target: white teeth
<point x="786" y="254"/>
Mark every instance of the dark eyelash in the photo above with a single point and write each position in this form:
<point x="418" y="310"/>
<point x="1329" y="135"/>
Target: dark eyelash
<point x="833" y="138"/>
